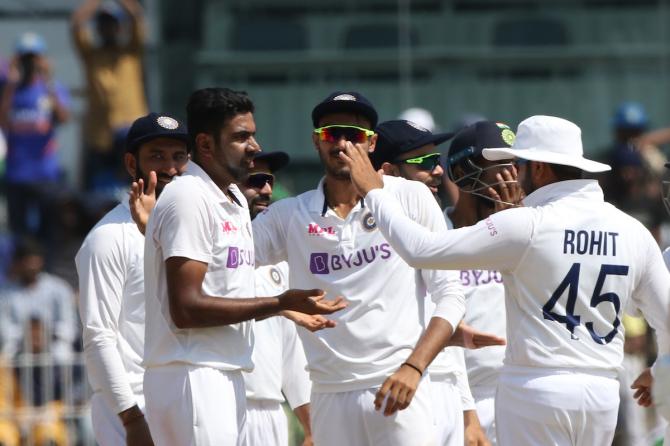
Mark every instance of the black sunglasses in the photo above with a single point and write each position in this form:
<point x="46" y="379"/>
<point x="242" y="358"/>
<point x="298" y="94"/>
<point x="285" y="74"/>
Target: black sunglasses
<point x="426" y="162"/>
<point x="259" y="180"/>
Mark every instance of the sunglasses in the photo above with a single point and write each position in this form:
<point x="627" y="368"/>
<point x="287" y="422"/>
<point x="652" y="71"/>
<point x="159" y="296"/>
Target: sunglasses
<point x="426" y="162"/>
<point x="333" y="133"/>
<point x="259" y="180"/>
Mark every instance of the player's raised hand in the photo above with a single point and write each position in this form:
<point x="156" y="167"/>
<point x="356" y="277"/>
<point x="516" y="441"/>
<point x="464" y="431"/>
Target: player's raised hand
<point x="642" y="387"/>
<point x="468" y="337"/>
<point x="310" y="302"/>
<point x="142" y="201"/>
<point x="510" y="193"/>
<point x="398" y="390"/>
<point x="312" y="322"/>
<point x="363" y="175"/>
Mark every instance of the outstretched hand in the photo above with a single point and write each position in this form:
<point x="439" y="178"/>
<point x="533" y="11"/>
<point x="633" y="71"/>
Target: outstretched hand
<point x="642" y="386"/>
<point x="311" y="302"/>
<point x="363" y="175"/>
<point x="142" y="201"/>
<point x="312" y="322"/>
<point x="468" y="337"/>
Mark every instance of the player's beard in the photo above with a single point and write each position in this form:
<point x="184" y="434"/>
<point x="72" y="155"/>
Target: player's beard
<point x="159" y="176"/>
<point x="334" y="169"/>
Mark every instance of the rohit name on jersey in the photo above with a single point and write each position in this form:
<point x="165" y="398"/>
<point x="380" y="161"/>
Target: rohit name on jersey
<point x="601" y="243"/>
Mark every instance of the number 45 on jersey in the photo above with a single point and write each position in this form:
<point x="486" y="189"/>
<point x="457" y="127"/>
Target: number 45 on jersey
<point x="571" y="283"/>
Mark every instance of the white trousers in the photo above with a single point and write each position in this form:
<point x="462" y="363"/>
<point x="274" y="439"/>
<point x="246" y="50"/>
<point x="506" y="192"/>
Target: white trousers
<point x="350" y="418"/>
<point x="195" y="406"/>
<point x="447" y="410"/>
<point x="107" y="426"/>
<point x="266" y="423"/>
<point x="484" y="396"/>
<point x="561" y="408"/>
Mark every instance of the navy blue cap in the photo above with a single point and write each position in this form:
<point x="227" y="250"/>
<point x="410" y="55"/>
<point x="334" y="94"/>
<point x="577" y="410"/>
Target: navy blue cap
<point x="345" y="102"/>
<point x="473" y="139"/>
<point x="401" y="136"/>
<point x="275" y="160"/>
<point x="154" y="126"/>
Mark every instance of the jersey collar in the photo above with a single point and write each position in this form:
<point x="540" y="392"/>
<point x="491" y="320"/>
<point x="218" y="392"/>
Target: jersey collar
<point x="194" y="169"/>
<point x="583" y="189"/>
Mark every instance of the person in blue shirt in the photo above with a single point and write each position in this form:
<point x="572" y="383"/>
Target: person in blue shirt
<point x="32" y="105"/>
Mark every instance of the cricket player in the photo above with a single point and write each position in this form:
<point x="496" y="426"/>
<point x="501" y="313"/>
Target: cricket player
<point x="659" y="373"/>
<point x="368" y="368"/>
<point x="199" y="283"/>
<point x="570" y="264"/>
<point x="110" y="264"/>
<point x="477" y="180"/>
<point x="408" y="150"/>
<point x="278" y="356"/>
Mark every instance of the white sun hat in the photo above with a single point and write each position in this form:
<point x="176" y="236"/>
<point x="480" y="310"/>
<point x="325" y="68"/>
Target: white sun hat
<point x="549" y="140"/>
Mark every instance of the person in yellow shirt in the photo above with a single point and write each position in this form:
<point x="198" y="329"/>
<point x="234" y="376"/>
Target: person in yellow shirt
<point x="115" y="89"/>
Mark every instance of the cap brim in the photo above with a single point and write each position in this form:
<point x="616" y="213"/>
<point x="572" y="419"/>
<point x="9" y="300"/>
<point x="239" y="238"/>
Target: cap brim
<point x="532" y="154"/>
<point x="146" y="138"/>
<point x="275" y="160"/>
<point x="327" y="108"/>
<point x="436" y="139"/>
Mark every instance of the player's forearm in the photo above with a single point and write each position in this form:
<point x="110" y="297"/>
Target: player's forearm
<point x="302" y="413"/>
<point x="6" y="103"/>
<point x="433" y="340"/>
<point x="84" y="12"/>
<point x="107" y="373"/>
<point x="207" y="311"/>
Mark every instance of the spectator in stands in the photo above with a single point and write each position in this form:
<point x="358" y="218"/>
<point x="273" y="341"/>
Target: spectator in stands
<point x="115" y="90"/>
<point x="633" y="185"/>
<point x="32" y="104"/>
<point x="31" y="295"/>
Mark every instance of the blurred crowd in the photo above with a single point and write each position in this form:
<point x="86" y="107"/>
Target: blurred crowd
<point x="45" y="220"/>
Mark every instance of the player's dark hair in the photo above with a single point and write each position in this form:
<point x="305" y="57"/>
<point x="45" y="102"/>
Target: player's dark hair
<point x="565" y="173"/>
<point x="209" y="109"/>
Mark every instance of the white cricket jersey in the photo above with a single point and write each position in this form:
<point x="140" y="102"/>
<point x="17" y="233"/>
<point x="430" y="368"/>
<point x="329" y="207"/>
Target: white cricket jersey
<point x="350" y="257"/>
<point x="570" y="263"/>
<point x="110" y="265"/>
<point x="194" y="219"/>
<point x="484" y="310"/>
<point x="279" y="359"/>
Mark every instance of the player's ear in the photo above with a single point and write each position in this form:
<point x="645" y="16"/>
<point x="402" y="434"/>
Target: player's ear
<point x="390" y="169"/>
<point x="204" y="146"/>
<point x="373" y="143"/>
<point x="130" y="163"/>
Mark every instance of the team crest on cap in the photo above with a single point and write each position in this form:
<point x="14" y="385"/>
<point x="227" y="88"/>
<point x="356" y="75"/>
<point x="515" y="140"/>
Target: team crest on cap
<point x="416" y="126"/>
<point x="167" y="122"/>
<point x="344" y="97"/>
<point x="275" y="276"/>
<point x="368" y="222"/>
<point x="508" y="136"/>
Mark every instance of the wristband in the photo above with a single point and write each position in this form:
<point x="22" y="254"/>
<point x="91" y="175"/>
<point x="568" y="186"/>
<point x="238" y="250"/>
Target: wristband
<point x="413" y="367"/>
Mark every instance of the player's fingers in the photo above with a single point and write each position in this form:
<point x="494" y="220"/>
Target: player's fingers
<point x="392" y="400"/>
<point x="486" y="340"/>
<point x="153" y="180"/>
<point x="381" y="394"/>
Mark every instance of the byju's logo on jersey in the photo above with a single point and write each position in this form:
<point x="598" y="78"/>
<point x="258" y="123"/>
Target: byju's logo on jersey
<point x="324" y="263"/>
<point x="238" y="257"/>
<point x="316" y="230"/>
